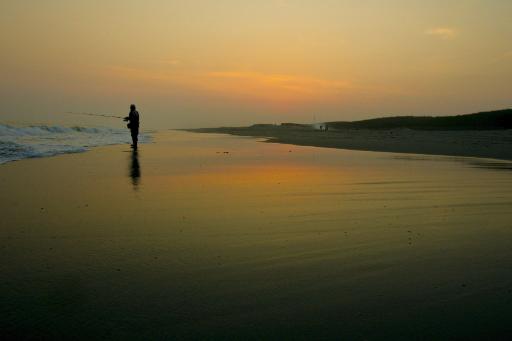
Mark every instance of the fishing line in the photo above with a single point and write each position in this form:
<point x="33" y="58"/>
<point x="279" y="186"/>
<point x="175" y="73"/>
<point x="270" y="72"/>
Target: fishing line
<point x="92" y="114"/>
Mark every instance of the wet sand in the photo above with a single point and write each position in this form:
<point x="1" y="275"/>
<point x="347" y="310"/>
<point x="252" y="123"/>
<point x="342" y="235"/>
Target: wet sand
<point x="495" y="144"/>
<point x="217" y="236"/>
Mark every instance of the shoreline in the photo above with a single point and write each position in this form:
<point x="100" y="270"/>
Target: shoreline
<point x="488" y="144"/>
<point x="199" y="227"/>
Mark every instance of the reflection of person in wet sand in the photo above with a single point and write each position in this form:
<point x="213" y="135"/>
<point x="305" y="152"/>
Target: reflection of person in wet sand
<point x="135" y="169"/>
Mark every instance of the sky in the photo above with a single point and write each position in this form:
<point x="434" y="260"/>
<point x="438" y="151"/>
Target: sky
<point x="203" y="63"/>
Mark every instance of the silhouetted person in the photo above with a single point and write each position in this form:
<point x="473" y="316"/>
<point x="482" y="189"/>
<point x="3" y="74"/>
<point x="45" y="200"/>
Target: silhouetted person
<point x="133" y="125"/>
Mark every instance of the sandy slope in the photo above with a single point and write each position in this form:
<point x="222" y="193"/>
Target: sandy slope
<point x="495" y="144"/>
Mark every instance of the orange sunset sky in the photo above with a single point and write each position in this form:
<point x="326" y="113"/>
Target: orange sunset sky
<point x="205" y="63"/>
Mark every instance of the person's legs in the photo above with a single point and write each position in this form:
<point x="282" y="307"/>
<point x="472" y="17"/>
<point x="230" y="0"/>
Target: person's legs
<point x="135" y="139"/>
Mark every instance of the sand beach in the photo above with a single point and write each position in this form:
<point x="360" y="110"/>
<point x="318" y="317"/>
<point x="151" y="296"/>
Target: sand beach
<point x="210" y="236"/>
<point x="495" y="144"/>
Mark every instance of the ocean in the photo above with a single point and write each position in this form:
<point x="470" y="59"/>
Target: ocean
<point x="19" y="142"/>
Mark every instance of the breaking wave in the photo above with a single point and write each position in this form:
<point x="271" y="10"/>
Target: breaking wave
<point x="21" y="142"/>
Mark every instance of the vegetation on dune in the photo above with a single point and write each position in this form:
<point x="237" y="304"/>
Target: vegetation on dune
<point x="490" y="120"/>
<point x="500" y="119"/>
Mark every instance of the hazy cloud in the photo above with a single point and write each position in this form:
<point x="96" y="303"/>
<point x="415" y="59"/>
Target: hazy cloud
<point x="242" y="85"/>
<point x="444" y="33"/>
<point x="172" y="62"/>
<point x="292" y="83"/>
<point x="504" y="57"/>
<point x="282" y="3"/>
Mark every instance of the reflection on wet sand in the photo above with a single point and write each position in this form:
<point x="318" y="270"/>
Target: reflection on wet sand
<point x="135" y="169"/>
<point x="473" y="162"/>
<point x="492" y="164"/>
<point x="265" y="241"/>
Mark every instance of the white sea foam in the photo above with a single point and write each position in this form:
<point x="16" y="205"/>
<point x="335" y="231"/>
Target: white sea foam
<point x="21" y="142"/>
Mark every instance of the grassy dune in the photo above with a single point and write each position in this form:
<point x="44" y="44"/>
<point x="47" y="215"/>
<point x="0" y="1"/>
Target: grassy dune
<point x="490" y="120"/>
<point x="485" y="135"/>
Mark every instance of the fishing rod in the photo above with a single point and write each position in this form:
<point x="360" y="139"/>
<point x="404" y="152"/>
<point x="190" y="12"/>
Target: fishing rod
<point x="92" y="114"/>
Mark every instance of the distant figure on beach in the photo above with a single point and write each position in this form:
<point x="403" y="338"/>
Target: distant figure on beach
<point x="133" y="125"/>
